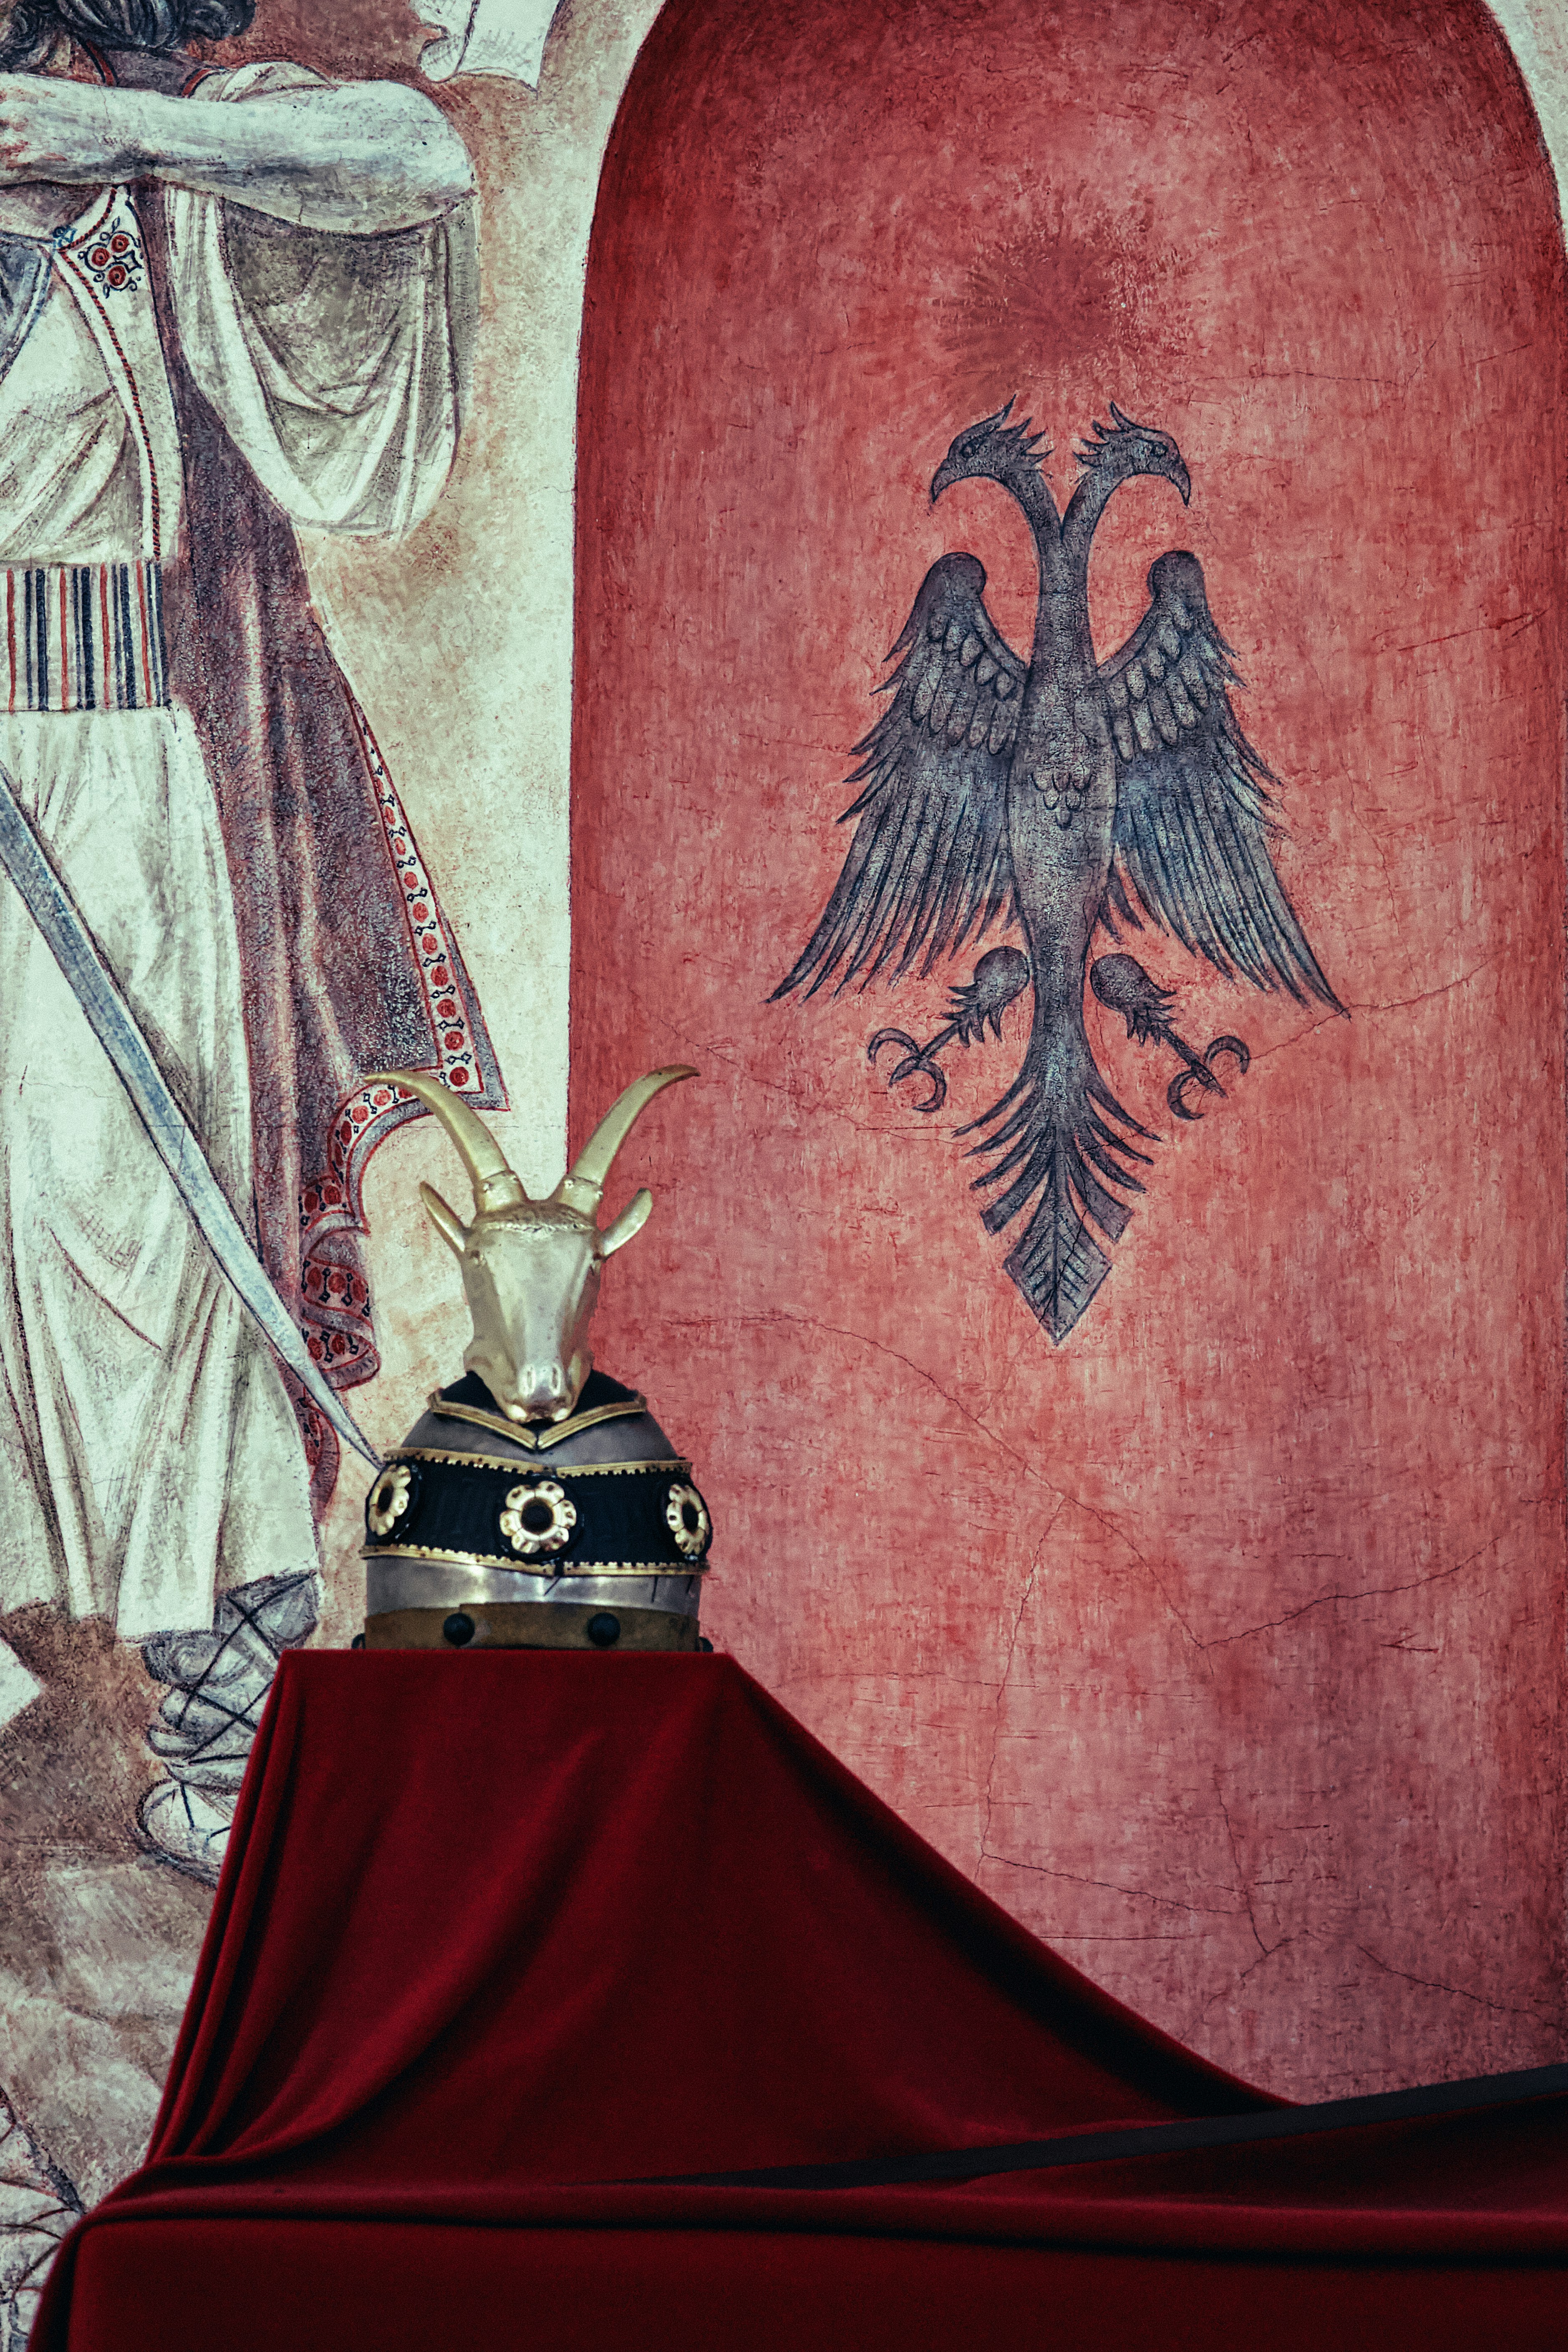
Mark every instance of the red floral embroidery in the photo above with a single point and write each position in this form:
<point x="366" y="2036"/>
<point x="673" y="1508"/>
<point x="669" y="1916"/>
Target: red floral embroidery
<point x="112" y="257"/>
<point x="335" y="1300"/>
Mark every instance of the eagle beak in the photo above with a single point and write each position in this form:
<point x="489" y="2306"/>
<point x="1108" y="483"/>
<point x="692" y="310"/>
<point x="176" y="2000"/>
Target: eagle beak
<point x="1185" y="483"/>
<point x="946" y="474"/>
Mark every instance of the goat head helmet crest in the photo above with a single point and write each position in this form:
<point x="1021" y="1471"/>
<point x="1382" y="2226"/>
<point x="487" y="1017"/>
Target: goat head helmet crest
<point x="530" y="1269"/>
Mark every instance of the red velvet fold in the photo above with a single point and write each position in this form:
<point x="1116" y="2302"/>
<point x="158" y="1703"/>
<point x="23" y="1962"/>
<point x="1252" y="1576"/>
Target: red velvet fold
<point x="503" y="1936"/>
<point x="572" y="1917"/>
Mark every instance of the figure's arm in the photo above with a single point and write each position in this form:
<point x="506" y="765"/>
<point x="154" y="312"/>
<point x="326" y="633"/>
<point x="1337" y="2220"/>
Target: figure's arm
<point x="356" y="158"/>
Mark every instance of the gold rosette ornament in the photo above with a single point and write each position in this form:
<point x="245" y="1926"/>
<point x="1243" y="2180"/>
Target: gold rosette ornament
<point x="688" y="1518"/>
<point x="538" y="1519"/>
<point x="388" y="1498"/>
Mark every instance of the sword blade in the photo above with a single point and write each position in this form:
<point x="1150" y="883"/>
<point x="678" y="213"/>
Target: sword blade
<point x="114" y="1023"/>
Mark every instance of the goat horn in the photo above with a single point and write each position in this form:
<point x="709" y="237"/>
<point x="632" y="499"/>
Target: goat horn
<point x="495" y="1186"/>
<point x="583" y="1187"/>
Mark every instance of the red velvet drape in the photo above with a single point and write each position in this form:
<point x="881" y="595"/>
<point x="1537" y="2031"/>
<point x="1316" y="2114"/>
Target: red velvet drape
<point x="506" y="1941"/>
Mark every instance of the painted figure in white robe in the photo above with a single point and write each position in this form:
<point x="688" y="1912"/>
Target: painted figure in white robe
<point x="229" y="301"/>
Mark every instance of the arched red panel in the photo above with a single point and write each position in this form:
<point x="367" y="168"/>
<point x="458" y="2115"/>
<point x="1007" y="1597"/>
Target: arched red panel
<point x="1223" y="1639"/>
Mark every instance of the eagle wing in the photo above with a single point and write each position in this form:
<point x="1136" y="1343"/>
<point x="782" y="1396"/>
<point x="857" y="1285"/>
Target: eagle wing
<point x="928" y="866"/>
<point x="1193" y="815"/>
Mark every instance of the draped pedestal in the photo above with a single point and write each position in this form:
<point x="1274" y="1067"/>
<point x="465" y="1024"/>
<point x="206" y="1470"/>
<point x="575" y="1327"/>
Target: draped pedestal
<point x="508" y="1946"/>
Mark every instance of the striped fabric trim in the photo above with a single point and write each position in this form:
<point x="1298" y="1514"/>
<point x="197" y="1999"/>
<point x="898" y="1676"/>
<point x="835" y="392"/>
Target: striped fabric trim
<point x="85" y="636"/>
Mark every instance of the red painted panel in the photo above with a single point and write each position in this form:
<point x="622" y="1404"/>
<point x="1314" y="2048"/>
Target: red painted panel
<point x="1223" y="1642"/>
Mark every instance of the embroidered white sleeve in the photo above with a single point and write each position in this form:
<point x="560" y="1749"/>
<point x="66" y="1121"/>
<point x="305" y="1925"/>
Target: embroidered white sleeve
<point x="338" y="363"/>
<point x="487" y="36"/>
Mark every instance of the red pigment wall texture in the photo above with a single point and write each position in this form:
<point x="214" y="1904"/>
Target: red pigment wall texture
<point x="1222" y="1644"/>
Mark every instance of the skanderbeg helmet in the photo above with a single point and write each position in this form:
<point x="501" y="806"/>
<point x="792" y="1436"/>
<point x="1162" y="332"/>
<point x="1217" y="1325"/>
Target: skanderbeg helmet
<point x="536" y="1504"/>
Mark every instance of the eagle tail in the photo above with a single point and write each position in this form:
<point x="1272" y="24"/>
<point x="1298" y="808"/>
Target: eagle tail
<point x="1064" y="1142"/>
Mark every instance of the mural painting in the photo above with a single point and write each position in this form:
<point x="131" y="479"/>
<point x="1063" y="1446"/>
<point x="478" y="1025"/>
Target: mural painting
<point x="1209" y="1615"/>
<point x="216" y="922"/>
<point x="999" y="791"/>
<point x="1207" y="1612"/>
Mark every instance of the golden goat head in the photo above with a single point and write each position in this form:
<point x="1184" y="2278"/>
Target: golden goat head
<point x="530" y="1269"/>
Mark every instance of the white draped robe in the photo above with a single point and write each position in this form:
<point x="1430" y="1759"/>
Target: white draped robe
<point x="149" y="1453"/>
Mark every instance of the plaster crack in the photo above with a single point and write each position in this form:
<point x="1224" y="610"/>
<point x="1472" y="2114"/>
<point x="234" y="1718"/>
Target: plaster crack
<point x="1435" y="1984"/>
<point x="1368" y="1592"/>
<point x="1006" y="1670"/>
<point x="1110" y="1886"/>
<point x="1427" y="995"/>
<point x="881" y="1347"/>
<point x="1242" y="1887"/>
<point x="1514" y="621"/>
<point x="1021" y="1460"/>
<point x="1375" y="1004"/>
<point x="1151" y="1936"/>
<point x="1229" y="1992"/>
<point x="1308" y="1029"/>
<point x="1401" y="931"/>
<point x="1103" y="1519"/>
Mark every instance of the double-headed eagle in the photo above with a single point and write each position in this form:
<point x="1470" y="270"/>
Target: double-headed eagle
<point x="1065" y="795"/>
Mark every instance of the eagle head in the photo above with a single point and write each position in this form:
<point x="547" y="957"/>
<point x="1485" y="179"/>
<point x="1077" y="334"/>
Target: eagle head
<point x="993" y="451"/>
<point x="1121" y="449"/>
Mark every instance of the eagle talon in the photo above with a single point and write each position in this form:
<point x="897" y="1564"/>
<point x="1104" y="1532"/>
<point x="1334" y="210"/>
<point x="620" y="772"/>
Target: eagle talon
<point x="1233" y="1045"/>
<point x="1144" y="1006"/>
<point x="997" y="978"/>
<point x="1177" y="1092"/>
<point x="917" y="1061"/>
<point x="892" y="1038"/>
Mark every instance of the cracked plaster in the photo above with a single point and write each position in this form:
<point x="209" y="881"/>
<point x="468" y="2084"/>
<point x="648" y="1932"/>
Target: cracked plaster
<point x="1224" y="1644"/>
<point x="1034" y="1600"/>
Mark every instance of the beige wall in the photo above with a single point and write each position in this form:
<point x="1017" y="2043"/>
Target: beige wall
<point x="1537" y="33"/>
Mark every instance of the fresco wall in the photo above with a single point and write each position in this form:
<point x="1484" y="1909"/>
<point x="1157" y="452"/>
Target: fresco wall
<point x="1220" y="1644"/>
<point x="457" y="643"/>
<point x="1216" y="1625"/>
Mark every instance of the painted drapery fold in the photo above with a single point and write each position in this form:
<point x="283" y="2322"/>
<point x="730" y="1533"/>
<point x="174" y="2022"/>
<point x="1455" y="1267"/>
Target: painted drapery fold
<point x="328" y="391"/>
